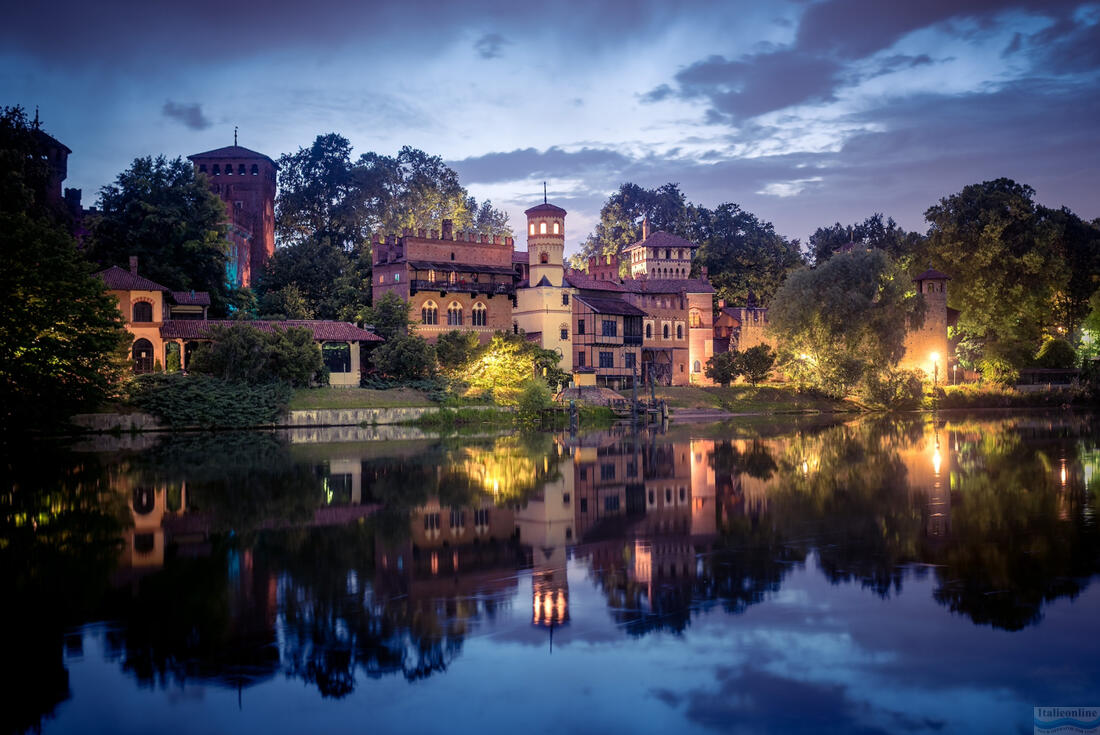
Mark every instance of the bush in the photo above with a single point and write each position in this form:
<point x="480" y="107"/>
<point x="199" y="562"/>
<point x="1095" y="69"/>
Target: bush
<point x="534" y="397"/>
<point x="243" y="353"/>
<point x="405" y="357"/>
<point x="895" y="390"/>
<point x="1056" y="353"/>
<point x="724" y="367"/>
<point x="755" y="363"/>
<point x="198" y="400"/>
<point x="997" y="396"/>
<point x="999" y="371"/>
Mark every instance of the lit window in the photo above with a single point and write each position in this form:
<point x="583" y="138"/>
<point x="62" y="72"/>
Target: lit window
<point x="531" y="229"/>
<point x="556" y="228"/>
<point x="396" y="277"/>
<point x="542" y="228"/>
<point x="429" y="313"/>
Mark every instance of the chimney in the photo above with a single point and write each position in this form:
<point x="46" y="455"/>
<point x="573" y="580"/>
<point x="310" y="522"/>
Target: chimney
<point x="447" y="227"/>
<point x="133" y="264"/>
<point x="645" y="228"/>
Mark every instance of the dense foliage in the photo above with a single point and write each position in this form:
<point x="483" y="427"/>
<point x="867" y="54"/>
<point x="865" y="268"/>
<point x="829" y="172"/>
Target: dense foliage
<point x="405" y="357"/>
<point x="61" y="341"/>
<point x="200" y="400"/>
<point x="243" y="353"/>
<point x="161" y="211"/>
<point x="844" y="321"/>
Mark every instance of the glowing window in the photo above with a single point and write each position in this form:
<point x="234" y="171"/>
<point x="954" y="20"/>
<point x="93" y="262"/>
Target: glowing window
<point x="531" y="229"/>
<point x="556" y="228"/>
<point x="542" y="228"/>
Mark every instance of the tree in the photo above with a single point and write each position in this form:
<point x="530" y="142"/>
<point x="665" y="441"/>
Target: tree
<point x="624" y="211"/>
<point x="724" y="368"/>
<point x="405" y="357"/>
<point x="162" y="211"/>
<point x="314" y="268"/>
<point x="454" y="349"/>
<point x="244" y="353"/>
<point x="389" y="317"/>
<point x="756" y="363"/>
<point x="1019" y="271"/>
<point x="873" y="232"/>
<point x="503" y="366"/>
<point x="1056" y="353"/>
<point x="844" y="320"/>
<point x="61" y="337"/>
<point x="287" y="303"/>
<point x="742" y="253"/>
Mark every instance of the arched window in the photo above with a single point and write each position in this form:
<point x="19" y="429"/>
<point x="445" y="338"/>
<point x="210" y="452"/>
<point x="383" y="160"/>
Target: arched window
<point x="143" y="356"/>
<point x="531" y="229"/>
<point x="429" y="313"/>
<point x="202" y="168"/>
<point x="696" y="319"/>
<point x="217" y="170"/>
<point x="542" y="228"/>
<point x="544" y="258"/>
<point x="649" y="331"/>
<point x="229" y="169"/>
<point x="556" y="226"/>
<point x="679" y="331"/>
<point x="144" y="500"/>
<point x="255" y="170"/>
<point x="664" y="331"/>
<point x="696" y="367"/>
<point x="478" y="315"/>
<point x="240" y="169"/>
<point x="454" y="314"/>
<point x="143" y="311"/>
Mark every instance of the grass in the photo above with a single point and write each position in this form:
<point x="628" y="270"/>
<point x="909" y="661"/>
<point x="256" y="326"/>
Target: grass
<point x="337" y="398"/>
<point x="747" y="399"/>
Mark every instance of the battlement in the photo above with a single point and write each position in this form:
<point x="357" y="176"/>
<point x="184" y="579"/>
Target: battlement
<point x="388" y="248"/>
<point x="604" y="267"/>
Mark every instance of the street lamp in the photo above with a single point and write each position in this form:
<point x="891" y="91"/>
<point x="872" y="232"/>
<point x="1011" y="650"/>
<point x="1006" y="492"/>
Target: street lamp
<point x="935" y="368"/>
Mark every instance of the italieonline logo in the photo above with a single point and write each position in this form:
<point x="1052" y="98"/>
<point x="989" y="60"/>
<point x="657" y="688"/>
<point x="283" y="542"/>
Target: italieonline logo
<point x="1067" y="720"/>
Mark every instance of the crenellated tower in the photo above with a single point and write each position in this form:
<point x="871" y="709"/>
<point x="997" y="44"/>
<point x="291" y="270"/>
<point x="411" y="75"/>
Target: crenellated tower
<point x="546" y="243"/>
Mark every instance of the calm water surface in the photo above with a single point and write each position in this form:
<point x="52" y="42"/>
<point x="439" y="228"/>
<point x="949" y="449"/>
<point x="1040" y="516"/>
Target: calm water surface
<point x="912" y="575"/>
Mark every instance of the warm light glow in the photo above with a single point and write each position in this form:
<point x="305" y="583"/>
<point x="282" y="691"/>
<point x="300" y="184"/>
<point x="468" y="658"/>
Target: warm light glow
<point x="803" y="356"/>
<point x="935" y="357"/>
<point x="936" y="460"/>
<point x="531" y="229"/>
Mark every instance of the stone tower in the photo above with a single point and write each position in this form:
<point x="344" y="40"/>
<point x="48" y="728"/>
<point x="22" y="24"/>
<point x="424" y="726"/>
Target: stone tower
<point x="245" y="181"/>
<point x="927" y="348"/>
<point x="546" y="243"/>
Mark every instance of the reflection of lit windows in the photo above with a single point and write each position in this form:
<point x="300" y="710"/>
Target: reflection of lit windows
<point x="481" y="517"/>
<point x="431" y="521"/>
<point x="458" y="518"/>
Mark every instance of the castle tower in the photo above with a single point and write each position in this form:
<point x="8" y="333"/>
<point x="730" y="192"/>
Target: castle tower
<point x="245" y="181"/>
<point x="545" y="307"/>
<point x="927" y="348"/>
<point x="546" y="243"/>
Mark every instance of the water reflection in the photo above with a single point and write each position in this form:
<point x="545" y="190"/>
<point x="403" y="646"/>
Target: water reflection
<point x="231" y="559"/>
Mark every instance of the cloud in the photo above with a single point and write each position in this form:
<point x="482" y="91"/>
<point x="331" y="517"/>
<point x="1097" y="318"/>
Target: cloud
<point x="523" y="163"/>
<point x="791" y="188"/>
<point x="189" y="114"/>
<point x="658" y="93"/>
<point x="491" y="45"/>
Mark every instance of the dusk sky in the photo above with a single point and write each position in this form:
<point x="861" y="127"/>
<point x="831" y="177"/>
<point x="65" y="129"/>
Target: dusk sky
<point x="804" y="113"/>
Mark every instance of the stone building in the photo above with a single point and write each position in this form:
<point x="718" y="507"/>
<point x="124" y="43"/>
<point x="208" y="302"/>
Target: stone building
<point x="927" y="348"/>
<point x="544" y="302"/>
<point x="245" y="181"/>
<point x="453" y="280"/>
<point x="660" y="255"/>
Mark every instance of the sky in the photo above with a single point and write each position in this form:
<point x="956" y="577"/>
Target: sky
<point x="803" y="113"/>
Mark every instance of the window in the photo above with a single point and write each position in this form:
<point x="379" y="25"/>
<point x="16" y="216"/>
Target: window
<point x="679" y="331"/>
<point x="580" y="326"/>
<point x="217" y="170"/>
<point x="628" y="360"/>
<point x="229" y="169"/>
<point x="452" y="258"/>
<point x="255" y="170"/>
<point x="396" y="277"/>
<point x="454" y="314"/>
<point x="337" y="356"/>
<point x="565" y="299"/>
<point x="481" y="517"/>
<point x="544" y="258"/>
<point x="696" y="367"/>
<point x="564" y="331"/>
<point x="664" y="331"/>
<point x="143" y="311"/>
<point x="611" y="503"/>
<point x="431" y="521"/>
<point x="649" y="331"/>
<point x="668" y="253"/>
<point x="542" y="228"/>
<point x="429" y="313"/>
<point x="531" y="229"/>
<point x="478" y="315"/>
<point x="607" y="472"/>
<point x="143" y="356"/>
<point x="556" y="228"/>
<point x="584" y="503"/>
<point x="240" y="169"/>
<point x="607" y="359"/>
<point x="202" y="168"/>
<point x="610" y="328"/>
<point x="382" y="279"/>
<point x="458" y="518"/>
<point x="695" y="318"/>
<point x="580" y="359"/>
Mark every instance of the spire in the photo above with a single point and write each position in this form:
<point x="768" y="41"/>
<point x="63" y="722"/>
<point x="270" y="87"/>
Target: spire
<point x="543" y="183"/>
<point x="234" y="135"/>
<point x="36" y="123"/>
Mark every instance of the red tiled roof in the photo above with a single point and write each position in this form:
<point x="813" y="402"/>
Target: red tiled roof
<point x="323" y="331"/>
<point x="662" y="239"/>
<point x="519" y="256"/>
<point x="547" y="208"/>
<point x="668" y="285"/>
<point x="576" y="279"/>
<point x="932" y="275"/>
<point x="191" y="298"/>
<point x="602" y="305"/>
<point x="230" y="151"/>
<point x="120" y="279"/>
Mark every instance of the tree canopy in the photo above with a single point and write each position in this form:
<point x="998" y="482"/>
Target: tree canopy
<point x="242" y="353"/>
<point x="844" y="320"/>
<point x="61" y="336"/>
<point x="160" y="210"/>
<point x="873" y="232"/>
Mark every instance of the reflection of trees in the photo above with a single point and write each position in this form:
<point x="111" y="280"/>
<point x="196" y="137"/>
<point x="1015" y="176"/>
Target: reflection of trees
<point x="60" y="524"/>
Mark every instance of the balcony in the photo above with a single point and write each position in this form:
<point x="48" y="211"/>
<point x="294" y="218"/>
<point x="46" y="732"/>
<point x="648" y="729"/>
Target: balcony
<point x="489" y="289"/>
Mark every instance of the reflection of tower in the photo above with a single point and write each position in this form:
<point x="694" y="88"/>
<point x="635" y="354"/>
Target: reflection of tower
<point x="546" y="525"/>
<point x="704" y="516"/>
<point x="939" y="496"/>
<point x="151" y="505"/>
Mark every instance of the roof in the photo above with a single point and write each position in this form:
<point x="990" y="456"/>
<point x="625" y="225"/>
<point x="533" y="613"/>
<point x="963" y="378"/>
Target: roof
<point x="668" y="285"/>
<point x="323" y="331"/>
<point x="662" y="239"/>
<point x="191" y="298"/>
<point x="545" y="208"/>
<point x="426" y="265"/>
<point x="45" y="139"/>
<point x="230" y="151"/>
<point x="577" y="279"/>
<point x="544" y="281"/>
<point x="932" y="275"/>
<point x="519" y="256"/>
<point x="602" y="305"/>
<point x="120" y="279"/>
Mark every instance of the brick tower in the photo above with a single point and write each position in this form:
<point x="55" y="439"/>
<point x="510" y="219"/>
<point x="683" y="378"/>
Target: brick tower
<point x="245" y="181"/>
<point x="927" y="348"/>
<point x="546" y="243"/>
